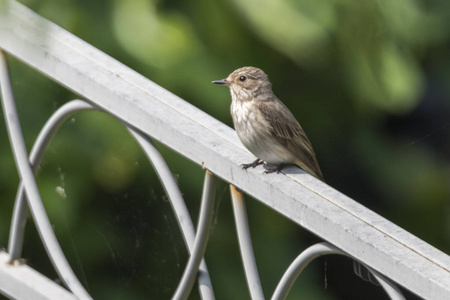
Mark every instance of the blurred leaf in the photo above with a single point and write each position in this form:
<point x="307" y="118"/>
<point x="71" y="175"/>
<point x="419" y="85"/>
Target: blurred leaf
<point x="298" y="30"/>
<point x="389" y="79"/>
<point x="158" y="38"/>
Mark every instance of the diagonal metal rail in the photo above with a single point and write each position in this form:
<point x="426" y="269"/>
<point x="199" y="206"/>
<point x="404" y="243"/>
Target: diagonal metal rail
<point x="148" y="108"/>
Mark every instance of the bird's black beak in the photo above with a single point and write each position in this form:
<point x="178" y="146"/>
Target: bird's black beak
<point x="222" y="81"/>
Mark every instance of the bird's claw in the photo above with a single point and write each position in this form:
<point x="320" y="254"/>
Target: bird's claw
<point x="253" y="164"/>
<point x="267" y="171"/>
<point x="273" y="170"/>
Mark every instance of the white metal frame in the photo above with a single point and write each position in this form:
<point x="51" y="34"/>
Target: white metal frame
<point x="149" y="110"/>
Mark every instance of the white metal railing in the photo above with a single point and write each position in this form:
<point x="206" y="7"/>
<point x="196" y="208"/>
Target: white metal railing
<point x="150" y="111"/>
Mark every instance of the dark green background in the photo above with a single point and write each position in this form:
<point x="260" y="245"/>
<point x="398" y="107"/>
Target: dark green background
<point x="368" y="81"/>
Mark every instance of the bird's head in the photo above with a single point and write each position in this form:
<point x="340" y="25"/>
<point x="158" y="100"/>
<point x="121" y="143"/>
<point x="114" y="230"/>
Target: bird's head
<point x="246" y="83"/>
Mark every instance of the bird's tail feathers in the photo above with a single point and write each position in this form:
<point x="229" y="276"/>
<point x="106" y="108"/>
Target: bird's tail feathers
<point x="316" y="172"/>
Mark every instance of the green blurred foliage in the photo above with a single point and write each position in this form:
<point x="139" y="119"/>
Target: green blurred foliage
<point x="368" y="80"/>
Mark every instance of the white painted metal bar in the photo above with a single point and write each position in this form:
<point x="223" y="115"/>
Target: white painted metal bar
<point x="204" y="225"/>
<point x="245" y="244"/>
<point x="22" y="282"/>
<point x="43" y="225"/>
<point x="137" y="101"/>
<point x="313" y="252"/>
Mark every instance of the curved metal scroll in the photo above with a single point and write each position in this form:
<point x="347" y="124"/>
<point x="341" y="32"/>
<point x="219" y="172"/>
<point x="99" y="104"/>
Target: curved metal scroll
<point x="316" y="251"/>
<point x="29" y="184"/>
<point x="20" y="207"/>
<point x="61" y="264"/>
<point x="195" y="244"/>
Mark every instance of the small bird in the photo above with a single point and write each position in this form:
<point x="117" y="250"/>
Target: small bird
<point x="265" y="125"/>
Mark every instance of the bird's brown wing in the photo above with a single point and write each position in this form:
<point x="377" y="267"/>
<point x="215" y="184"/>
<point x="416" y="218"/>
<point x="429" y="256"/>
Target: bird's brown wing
<point x="290" y="134"/>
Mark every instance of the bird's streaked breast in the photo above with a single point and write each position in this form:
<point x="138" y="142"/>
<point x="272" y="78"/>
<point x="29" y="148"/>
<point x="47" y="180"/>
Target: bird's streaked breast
<point x="255" y="133"/>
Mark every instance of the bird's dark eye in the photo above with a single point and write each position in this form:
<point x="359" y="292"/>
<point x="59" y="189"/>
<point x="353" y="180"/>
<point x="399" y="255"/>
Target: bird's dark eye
<point x="242" y="78"/>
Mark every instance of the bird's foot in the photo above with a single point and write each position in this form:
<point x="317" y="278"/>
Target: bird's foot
<point x="276" y="169"/>
<point x="253" y="164"/>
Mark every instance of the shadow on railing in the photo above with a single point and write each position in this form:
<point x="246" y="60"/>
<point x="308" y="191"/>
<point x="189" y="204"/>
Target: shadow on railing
<point x="147" y="110"/>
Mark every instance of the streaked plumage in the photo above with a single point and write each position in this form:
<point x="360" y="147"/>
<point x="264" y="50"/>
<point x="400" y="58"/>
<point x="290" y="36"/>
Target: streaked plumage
<point x="265" y="125"/>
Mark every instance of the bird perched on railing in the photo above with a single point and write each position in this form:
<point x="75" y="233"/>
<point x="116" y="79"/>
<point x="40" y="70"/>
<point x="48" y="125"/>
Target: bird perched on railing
<point x="269" y="130"/>
<point x="265" y="125"/>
